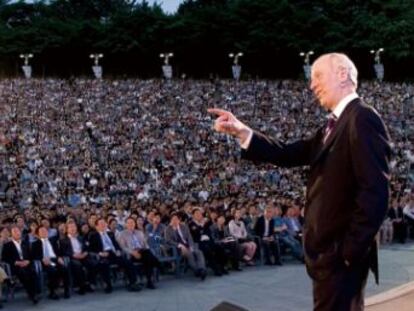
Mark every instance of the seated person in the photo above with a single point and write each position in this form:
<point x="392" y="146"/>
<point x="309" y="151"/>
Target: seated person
<point x="133" y="243"/>
<point x="46" y="250"/>
<point x="177" y="234"/>
<point x="82" y="266"/>
<point x="408" y="211"/>
<point x="238" y="231"/>
<point x="284" y="236"/>
<point x="293" y="223"/>
<point x="4" y="279"/>
<point x="212" y="252"/>
<point x="222" y="237"/>
<point x="155" y="230"/>
<point x="265" y="229"/>
<point x="17" y="254"/>
<point x="104" y="244"/>
<point x="396" y="215"/>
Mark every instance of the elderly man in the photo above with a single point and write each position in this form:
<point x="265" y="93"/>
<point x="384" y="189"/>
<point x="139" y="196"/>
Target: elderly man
<point x="17" y="254"/>
<point x="347" y="190"/>
<point x="46" y="250"/>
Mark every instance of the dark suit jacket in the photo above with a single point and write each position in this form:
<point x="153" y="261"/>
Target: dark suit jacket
<point x="347" y="189"/>
<point x="96" y="244"/>
<point x="10" y="254"/>
<point x="259" y="228"/>
<point x="37" y="249"/>
<point x="172" y="237"/>
<point x="66" y="248"/>
<point x="218" y="235"/>
<point x="396" y="213"/>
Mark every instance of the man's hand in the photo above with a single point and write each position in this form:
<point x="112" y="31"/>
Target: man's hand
<point x="182" y="247"/>
<point x="136" y="254"/>
<point x="103" y="254"/>
<point x="46" y="261"/>
<point x="22" y="263"/>
<point x="227" y="123"/>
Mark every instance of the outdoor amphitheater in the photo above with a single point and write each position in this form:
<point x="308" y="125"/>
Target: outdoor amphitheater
<point x="121" y="188"/>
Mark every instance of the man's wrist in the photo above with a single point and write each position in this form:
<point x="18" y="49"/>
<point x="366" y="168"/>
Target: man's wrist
<point x="245" y="138"/>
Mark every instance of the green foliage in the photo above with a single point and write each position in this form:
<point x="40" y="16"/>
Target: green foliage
<point x="209" y="29"/>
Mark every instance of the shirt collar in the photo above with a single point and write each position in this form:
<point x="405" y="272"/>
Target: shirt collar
<point x="343" y="103"/>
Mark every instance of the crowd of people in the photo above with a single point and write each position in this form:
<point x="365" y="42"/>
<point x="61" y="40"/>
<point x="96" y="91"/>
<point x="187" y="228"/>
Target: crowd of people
<point x="139" y="159"/>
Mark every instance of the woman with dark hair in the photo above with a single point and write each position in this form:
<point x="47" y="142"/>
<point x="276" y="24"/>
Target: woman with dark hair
<point x="222" y="238"/>
<point x="32" y="236"/>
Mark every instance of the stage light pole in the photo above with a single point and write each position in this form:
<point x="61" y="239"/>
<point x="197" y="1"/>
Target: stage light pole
<point x="166" y="68"/>
<point x="27" y="69"/>
<point x="97" y="70"/>
<point x="378" y="66"/>
<point x="306" y="66"/>
<point x="236" y="68"/>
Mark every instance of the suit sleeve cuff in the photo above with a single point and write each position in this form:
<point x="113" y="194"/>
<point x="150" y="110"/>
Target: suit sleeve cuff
<point x="245" y="145"/>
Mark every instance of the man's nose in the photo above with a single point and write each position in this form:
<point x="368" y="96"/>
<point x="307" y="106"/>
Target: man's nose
<point x="311" y="85"/>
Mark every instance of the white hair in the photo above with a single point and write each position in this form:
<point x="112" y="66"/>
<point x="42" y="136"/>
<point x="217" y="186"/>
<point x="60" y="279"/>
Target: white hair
<point x="340" y="60"/>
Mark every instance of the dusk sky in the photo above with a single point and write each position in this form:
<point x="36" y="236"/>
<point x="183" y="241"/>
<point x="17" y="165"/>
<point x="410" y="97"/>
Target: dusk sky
<point x="169" y="6"/>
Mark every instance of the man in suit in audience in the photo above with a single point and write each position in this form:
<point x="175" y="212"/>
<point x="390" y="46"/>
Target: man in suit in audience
<point x="265" y="229"/>
<point x="81" y="265"/>
<point x="200" y="232"/>
<point x="17" y="254"/>
<point x="108" y="252"/>
<point x="46" y="251"/>
<point x="177" y="234"/>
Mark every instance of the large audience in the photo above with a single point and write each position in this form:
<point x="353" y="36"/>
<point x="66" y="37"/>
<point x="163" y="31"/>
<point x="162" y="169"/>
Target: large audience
<point x="97" y="173"/>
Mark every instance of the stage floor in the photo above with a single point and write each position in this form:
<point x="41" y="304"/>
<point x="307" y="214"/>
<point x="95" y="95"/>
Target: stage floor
<point x="285" y="288"/>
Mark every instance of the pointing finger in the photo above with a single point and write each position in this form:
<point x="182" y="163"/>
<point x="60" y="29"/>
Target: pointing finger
<point x="217" y="111"/>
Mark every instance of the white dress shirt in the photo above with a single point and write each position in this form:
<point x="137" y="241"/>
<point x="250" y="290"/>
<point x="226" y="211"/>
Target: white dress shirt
<point x="237" y="229"/>
<point x="266" y="231"/>
<point x="76" y="247"/>
<point x="19" y="248"/>
<point x="48" y="249"/>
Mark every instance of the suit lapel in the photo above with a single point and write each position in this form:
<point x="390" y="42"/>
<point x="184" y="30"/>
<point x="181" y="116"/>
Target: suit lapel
<point x="339" y="127"/>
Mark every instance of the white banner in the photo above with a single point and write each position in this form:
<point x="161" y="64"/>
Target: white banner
<point x="167" y="71"/>
<point x="27" y="70"/>
<point x="97" y="71"/>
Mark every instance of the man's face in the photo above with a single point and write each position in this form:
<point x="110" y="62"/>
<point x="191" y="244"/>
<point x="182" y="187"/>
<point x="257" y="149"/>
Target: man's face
<point x="130" y="224"/>
<point x="102" y="225"/>
<point x="92" y="220"/>
<point x="156" y="220"/>
<point x="198" y="216"/>
<point x="324" y="83"/>
<point x="175" y="221"/>
<point x="72" y="229"/>
<point x="269" y="212"/>
<point x="43" y="234"/>
<point x="16" y="234"/>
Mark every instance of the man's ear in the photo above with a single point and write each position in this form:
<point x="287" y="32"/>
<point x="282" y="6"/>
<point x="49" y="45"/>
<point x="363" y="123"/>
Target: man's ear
<point x="342" y="74"/>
